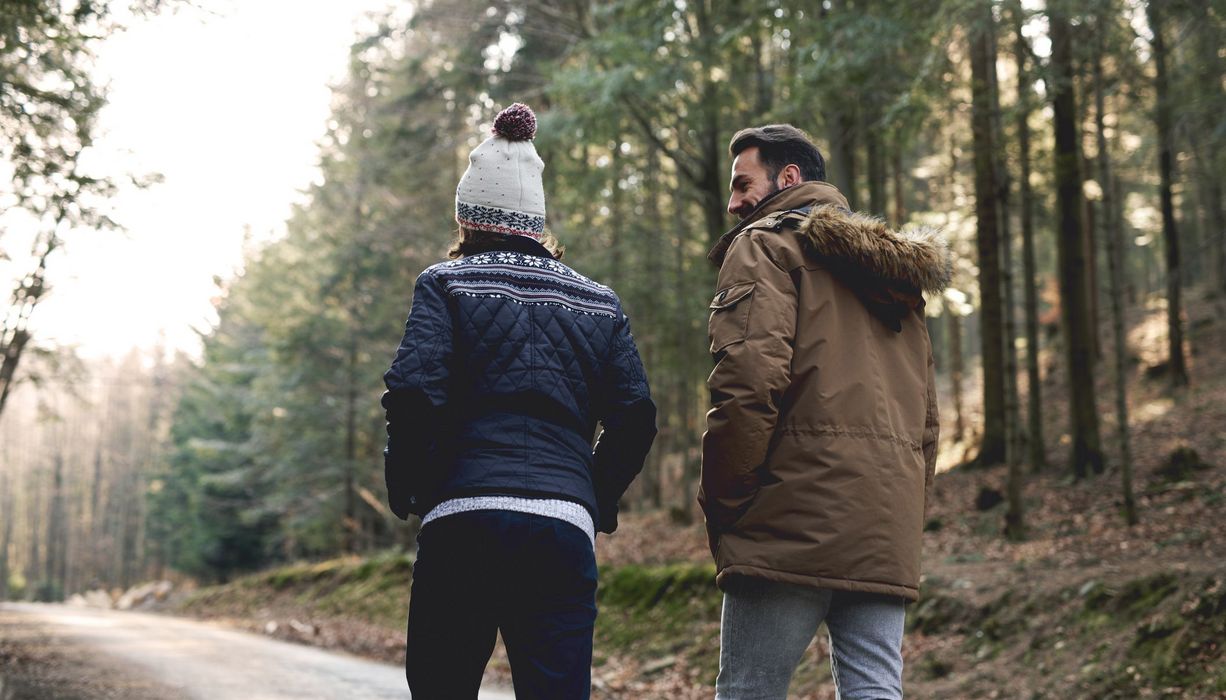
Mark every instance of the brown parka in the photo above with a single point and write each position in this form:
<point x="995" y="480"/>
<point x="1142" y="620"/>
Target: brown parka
<point x="821" y="444"/>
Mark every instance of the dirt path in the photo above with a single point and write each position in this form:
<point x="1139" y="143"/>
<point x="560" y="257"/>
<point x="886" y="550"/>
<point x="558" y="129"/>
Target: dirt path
<point x="56" y="651"/>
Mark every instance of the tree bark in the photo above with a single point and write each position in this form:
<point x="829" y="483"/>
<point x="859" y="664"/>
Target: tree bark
<point x="1015" y="521"/>
<point x="6" y="535"/>
<point x="1086" y="452"/>
<point x="34" y="506"/>
<point x="843" y="147"/>
<point x="955" y="371"/>
<point x="1212" y="68"/>
<point x="683" y="417"/>
<point x="1177" y="367"/>
<point x="875" y="150"/>
<point x="900" y="202"/>
<point x="987" y="193"/>
<point x="1091" y="281"/>
<point x="1111" y="239"/>
<point x="1036" y="449"/>
<point x="654" y="476"/>
<point x="55" y="571"/>
<point x="352" y="527"/>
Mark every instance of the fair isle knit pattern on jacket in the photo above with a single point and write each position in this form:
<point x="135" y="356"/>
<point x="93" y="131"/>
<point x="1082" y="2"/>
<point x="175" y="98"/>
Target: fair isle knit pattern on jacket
<point x="509" y="362"/>
<point x="527" y="279"/>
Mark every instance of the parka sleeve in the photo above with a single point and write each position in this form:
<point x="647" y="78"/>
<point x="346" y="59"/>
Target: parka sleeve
<point x="416" y="400"/>
<point x="628" y="419"/>
<point x="752" y="329"/>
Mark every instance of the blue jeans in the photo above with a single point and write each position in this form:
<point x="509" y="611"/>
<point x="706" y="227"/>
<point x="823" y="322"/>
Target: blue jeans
<point x="766" y="627"/>
<point x="530" y="576"/>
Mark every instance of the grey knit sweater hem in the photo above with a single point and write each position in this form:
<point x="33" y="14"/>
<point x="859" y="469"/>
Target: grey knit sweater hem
<point x="566" y="511"/>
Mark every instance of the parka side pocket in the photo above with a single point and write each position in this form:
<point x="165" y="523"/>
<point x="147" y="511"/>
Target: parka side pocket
<point x="729" y="321"/>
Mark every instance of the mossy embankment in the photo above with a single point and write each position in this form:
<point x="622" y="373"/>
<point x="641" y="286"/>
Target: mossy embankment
<point x="1103" y="637"/>
<point x="1160" y="635"/>
<point x="350" y="603"/>
<point x="651" y="617"/>
<point x="373" y="590"/>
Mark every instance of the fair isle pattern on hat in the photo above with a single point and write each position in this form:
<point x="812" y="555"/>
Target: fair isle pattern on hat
<point x="482" y="218"/>
<point x="501" y="190"/>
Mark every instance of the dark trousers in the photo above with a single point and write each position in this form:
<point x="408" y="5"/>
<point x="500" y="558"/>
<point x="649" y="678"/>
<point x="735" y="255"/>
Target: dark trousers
<point x="531" y="577"/>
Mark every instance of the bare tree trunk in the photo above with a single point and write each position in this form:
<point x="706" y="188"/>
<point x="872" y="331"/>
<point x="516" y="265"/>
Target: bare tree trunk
<point x="128" y="548"/>
<point x="842" y="119"/>
<point x="1086" y="449"/>
<point x="900" y="204"/>
<point x="987" y="195"/>
<point x="1036" y="451"/>
<point x="34" y="508"/>
<point x="654" y="478"/>
<point x="1092" y="286"/>
<point x="1089" y="219"/>
<point x="617" y="228"/>
<point x="955" y="371"/>
<point x="1015" y="521"/>
<point x="353" y="529"/>
<point x="1111" y="237"/>
<point x="6" y="534"/>
<point x="1212" y="189"/>
<point x="1178" y="370"/>
<point x="875" y="151"/>
<point x="1208" y="150"/>
<point x="710" y="143"/>
<point x="681" y="388"/>
<point x="57" y="536"/>
<point x="1116" y="266"/>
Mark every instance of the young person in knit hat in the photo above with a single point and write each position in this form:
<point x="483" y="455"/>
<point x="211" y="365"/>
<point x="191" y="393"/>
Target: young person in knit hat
<point x="509" y="361"/>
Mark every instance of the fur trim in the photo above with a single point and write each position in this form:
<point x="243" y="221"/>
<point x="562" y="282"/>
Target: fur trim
<point x="918" y="257"/>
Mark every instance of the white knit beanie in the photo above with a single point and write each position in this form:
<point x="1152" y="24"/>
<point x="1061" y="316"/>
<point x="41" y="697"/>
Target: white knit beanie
<point x="501" y="191"/>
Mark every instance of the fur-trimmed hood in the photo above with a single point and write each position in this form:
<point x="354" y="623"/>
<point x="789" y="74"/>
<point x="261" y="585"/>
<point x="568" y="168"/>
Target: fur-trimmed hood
<point x="914" y="259"/>
<point x="888" y="270"/>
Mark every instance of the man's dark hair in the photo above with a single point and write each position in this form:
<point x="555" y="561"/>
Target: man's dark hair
<point x="781" y="145"/>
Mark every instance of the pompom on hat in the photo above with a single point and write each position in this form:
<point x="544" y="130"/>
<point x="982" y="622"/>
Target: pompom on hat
<point x="501" y="190"/>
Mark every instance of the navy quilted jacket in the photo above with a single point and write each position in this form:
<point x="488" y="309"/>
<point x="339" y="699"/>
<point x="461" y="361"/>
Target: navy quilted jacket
<point x="509" y="360"/>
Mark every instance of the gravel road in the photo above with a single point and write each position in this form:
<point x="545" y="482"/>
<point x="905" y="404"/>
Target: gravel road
<point x="89" y="653"/>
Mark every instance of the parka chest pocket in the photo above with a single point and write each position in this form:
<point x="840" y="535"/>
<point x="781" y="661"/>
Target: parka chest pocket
<point x="730" y="316"/>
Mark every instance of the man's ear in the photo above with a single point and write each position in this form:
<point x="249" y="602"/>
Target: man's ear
<point x="790" y="175"/>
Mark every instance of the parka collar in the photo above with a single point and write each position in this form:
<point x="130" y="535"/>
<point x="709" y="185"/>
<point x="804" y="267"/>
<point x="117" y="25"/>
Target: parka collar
<point x="805" y="194"/>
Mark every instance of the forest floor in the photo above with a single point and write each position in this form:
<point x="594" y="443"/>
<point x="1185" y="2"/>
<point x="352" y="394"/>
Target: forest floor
<point x="1084" y="606"/>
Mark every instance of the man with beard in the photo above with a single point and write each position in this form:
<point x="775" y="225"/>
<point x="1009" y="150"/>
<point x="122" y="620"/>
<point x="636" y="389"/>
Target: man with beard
<point x="821" y="441"/>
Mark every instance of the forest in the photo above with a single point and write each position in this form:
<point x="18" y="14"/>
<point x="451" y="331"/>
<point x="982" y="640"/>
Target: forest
<point x="1072" y="152"/>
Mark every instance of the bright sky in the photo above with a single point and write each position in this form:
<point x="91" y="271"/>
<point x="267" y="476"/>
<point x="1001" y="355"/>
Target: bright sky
<point x="227" y="103"/>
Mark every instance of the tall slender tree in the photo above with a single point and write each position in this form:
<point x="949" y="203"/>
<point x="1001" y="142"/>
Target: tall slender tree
<point x="6" y="532"/>
<point x="1177" y="368"/>
<point x="1086" y="455"/>
<point x="987" y="238"/>
<point x="1036" y="448"/>
<point x="1015" y="527"/>
<point x="1111" y="239"/>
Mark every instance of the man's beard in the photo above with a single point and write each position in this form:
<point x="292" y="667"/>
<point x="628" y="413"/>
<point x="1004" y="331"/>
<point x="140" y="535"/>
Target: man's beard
<point x="746" y="210"/>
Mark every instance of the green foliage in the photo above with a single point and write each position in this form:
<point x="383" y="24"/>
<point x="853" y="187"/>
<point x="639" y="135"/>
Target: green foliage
<point x="16" y="586"/>
<point x="374" y="589"/>
<point x="1179" y="647"/>
<point x="279" y="435"/>
<point x="641" y="588"/>
<point x="206" y="511"/>
<point x="653" y="612"/>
